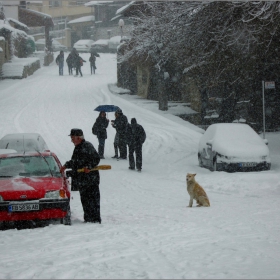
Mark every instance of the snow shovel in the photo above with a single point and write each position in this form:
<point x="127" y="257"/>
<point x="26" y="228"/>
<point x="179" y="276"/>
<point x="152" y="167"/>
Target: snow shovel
<point x="98" y="167"/>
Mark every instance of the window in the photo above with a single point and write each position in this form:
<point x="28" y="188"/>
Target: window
<point x="29" y="166"/>
<point x="55" y="3"/>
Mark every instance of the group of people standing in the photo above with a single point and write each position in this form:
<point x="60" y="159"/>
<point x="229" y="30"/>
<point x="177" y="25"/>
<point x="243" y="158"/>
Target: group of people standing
<point x="74" y="60"/>
<point x="131" y="134"/>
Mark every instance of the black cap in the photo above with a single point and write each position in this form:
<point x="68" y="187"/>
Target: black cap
<point x="119" y="111"/>
<point x="76" y="132"/>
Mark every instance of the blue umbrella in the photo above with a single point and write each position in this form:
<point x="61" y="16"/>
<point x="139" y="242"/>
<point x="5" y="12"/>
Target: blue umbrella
<point x="106" y="108"/>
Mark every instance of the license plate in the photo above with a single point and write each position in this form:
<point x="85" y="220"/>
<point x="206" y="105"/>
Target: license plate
<point x="23" y="207"/>
<point x="248" y="164"/>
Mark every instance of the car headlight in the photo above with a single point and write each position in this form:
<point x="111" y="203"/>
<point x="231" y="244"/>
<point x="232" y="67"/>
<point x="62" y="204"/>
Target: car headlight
<point x="1" y="199"/>
<point x="56" y="194"/>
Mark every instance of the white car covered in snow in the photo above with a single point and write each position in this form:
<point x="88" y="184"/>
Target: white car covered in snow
<point x="233" y="147"/>
<point x="100" y="45"/>
<point x="83" y="45"/>
<point x="22" y="142"/>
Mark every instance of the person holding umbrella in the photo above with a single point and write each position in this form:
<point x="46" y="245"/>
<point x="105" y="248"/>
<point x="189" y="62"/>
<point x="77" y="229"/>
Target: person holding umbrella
<point x="99" y="129"/>
<point x="109" y="108"/>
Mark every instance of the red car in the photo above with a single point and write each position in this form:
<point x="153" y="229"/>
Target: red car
<point x="32" y="188"/>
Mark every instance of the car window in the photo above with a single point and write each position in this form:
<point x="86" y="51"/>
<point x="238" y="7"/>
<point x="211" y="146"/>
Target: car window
<point x="29" y="166"/>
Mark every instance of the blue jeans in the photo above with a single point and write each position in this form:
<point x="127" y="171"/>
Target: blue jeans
<point x="60" y="67"/>
<point x="101" y="146"/>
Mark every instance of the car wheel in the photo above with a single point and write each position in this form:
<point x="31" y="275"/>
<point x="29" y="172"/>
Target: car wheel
<point x="67" y="219"/>
<point x="200" y="161"/>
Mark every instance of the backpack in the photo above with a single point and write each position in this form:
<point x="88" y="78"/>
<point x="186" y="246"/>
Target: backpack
<point x="94" y="129"/>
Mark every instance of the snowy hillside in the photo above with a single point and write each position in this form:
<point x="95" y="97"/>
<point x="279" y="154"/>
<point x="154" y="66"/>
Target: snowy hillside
<point x="147" y="231"/>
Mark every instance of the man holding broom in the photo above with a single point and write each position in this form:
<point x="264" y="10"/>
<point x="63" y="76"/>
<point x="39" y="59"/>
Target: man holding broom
<point x="86" y="180"/>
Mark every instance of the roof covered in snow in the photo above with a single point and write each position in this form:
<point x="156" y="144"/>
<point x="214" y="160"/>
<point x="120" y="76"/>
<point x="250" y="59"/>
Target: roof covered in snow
<point x="82" y="19"/>
<point x="95" y="3"/>
<point x="4" y="25"/>
<point x="22" y="25"/>
<point x="124" y="8"/>
<point x="34" y="18"/>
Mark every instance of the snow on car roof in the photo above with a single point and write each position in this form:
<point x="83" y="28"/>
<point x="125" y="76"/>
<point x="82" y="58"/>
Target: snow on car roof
<point x="23" y="142"/>
<point x="101" y="42"/>
<point x="115" y="39"/>
<point x="83" y="41"/>
<point x="25" y="135"/>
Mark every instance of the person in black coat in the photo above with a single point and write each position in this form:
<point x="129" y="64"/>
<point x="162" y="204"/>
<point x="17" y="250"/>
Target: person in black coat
<point x="136" y="136"/>
<point x="120" y="124"/>
<point x="78" y="64"/>
<point x="116" y="140"/>
<point x="85" y="157"/>
<point x="70" y="63"/>
<point x="92" y="60"/>
<point x="99" y="129"/>
<point x="60" y="62"/>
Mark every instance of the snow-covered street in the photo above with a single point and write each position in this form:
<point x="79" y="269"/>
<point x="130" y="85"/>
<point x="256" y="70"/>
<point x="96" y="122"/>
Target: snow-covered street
<point x="147" y="232"/>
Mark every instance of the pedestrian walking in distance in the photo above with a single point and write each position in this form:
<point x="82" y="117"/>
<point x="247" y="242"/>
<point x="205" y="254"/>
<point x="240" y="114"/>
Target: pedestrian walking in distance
<point x="85" y="157"/>
<point x="60" y="62"/>
<point x="79" y="62"/>
<point x="100" y="130"/>
<point x="70" y="62"/>
<point x="120" y="124"/>
<point x="136" y="136"/>
<point x="92" y="60"/>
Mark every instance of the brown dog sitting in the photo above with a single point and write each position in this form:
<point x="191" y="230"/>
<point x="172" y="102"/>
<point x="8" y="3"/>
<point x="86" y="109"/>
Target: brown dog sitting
<point x="196" y="192"/>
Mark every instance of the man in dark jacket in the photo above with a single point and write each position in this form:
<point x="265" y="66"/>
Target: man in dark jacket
<point x="99" y="129"/>
<point x="85" y="157"/>
<point x="136" y="136"/>
<point x="60" y="62"/>
<point x="78" y="64"/>
<point x="70" y="63"/>
<point x="92" y="60"/>
<point x="120" y="124"/>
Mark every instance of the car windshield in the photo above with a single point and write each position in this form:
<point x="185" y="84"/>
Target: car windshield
<point x="29" y="166"/>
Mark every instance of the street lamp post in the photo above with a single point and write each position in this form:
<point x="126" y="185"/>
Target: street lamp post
<point x="121" y="25"/>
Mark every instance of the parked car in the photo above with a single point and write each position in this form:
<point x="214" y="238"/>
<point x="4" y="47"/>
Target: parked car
<point x="33" y="189"/>
<point x="83" y="45"/>
<point x="56" y="46"/>
<point x="233" y="147"/>
<point x="100" y="45"/>
<point x="115" y="41"/>
<point x="24" y="142"/>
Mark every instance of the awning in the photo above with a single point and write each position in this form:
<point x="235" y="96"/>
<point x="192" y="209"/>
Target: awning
<point x="33" y="18"/>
